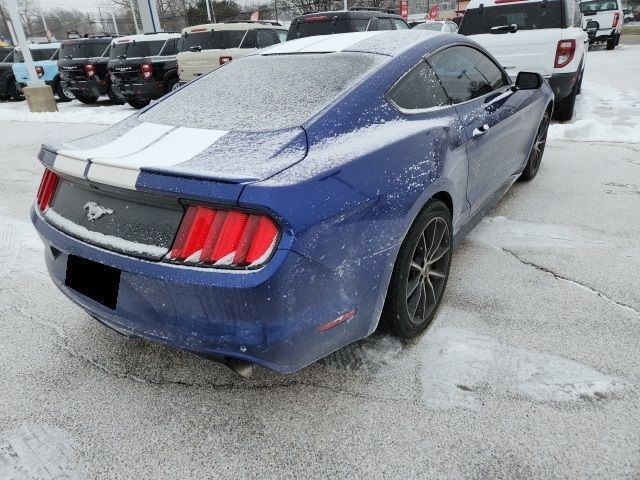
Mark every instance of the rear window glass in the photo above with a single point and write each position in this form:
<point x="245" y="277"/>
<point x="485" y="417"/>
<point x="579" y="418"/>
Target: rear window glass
<point x="39" y="55"/>
<point x="598" y="6"/>
<point x="232" y="38"/>
<point x="137" y="49"/>
<point x="83" y="50"/>
<point x="6" y="54"/>
<point x="204" y="40"/>
<point x="527" y="15"/>
<point x="263" y="92"/>
<point x="326" y="26"/>
<point x="436" y="27"/>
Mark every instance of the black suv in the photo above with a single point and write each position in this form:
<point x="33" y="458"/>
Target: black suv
<point x="84" y="68"/>
<point x="7" y="82"/>
<point x="144" y="67"/>
<point x="327" y="23"/>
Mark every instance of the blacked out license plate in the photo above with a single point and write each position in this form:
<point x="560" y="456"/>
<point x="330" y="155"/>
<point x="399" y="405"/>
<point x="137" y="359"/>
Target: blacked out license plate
<point x="94" y="280"/>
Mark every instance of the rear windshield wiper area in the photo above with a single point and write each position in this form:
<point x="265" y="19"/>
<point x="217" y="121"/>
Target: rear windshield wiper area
<point x="513" y="28"/>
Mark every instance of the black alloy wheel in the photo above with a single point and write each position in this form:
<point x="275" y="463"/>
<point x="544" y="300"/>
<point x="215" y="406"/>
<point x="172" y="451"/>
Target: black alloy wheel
<point x="537" y="150"/>
<point x="420" y="274"/>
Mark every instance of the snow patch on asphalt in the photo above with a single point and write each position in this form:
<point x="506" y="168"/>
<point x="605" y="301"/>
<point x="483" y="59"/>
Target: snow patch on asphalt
<point x="602" y="114"/>
<point x="461" y="368"/>
<point x="501" y="231"/>
<point x="36" y="451"/>
<point x="72" y="112"/>
<point x="367" y="355"/>
<point x="20" y="248"/>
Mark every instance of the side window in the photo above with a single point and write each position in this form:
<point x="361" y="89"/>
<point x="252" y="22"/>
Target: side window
<point x="385" y="24"/>
<point x="466" y="73"/>
<point x="418" y="89"/>
<point x="400" y="25"/>
<point x="171" y="47"/>
<point x="232" y="38"/>
<point x="282" y="35"/>
<point x="265" y="38"/>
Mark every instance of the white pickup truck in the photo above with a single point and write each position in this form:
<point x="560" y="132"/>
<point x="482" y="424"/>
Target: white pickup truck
<point x="602" y="19"/>
<point x="543" y="36"/>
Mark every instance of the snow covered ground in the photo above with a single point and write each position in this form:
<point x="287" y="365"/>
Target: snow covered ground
<point x="529" y="371"/>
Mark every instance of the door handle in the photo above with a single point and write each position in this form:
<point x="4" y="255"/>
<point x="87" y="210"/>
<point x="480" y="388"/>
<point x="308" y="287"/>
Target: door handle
<point x="477" y="132"/>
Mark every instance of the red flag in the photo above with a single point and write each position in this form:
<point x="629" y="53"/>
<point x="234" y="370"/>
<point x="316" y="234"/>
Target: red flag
<point x="255" y="16"/>
<point x="434" y="12"/>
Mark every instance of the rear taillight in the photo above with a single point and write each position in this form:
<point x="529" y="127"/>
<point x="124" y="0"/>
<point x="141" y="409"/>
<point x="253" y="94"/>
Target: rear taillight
<point x="39" y="71"/>
<point x="616" y="19"/>
<point x="224" y="60"/>
<point x="48" y="186"/>
<point x="89" y="70"/>
<point x="564" y="53"/>
<point x="229" y="238"/>
<point x="146" y="69"/>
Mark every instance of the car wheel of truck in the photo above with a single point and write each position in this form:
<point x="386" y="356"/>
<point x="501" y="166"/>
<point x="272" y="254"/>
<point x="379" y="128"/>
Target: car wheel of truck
<point x="13" y="91"/>
<point x="420" y="273"/>
<point x="172" y="85"/>
<point x="563" y="110"/>
<point x="87" y="98"/>
<point x="63" y="93"/>
<point x="617" y="39"/>
<point x="114" y="97"/>
<point x="537" y="150"/>
<point x="611" y="44"/>
<point x="579" y="90"/>
<point x="139" y="102"/>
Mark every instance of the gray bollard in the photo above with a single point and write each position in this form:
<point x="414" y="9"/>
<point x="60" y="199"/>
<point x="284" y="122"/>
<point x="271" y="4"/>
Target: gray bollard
<point x="40" y="99"/>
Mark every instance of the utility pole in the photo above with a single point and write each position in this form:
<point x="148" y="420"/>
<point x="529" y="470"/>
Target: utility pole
<point x="101" y="20"/>
<point x="275" y="6"/>
<point x="135" y="19"/>
<point x="115" y="25"/>
<point x="44" y="22"/>
<point x="206" y="2"/>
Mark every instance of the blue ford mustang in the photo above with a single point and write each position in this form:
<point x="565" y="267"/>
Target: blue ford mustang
<point x="288" y="202"/>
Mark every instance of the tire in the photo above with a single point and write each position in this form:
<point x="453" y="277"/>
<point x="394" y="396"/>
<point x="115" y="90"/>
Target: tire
<point x="172" y="85"/>
<point x="114" y="97"/>
<point x="579" y="89"/>
<point x="611" y="44"/>
<point x="64" y="95"/>
<point x="417" y="285"/>
<point x="138" y="102"/>
<point x="618" y="39"/>
<point x="87" y="98"/>
<point x="13" y="91"/>
<point x="563" y="110"/>
<point x="537" y="150"/>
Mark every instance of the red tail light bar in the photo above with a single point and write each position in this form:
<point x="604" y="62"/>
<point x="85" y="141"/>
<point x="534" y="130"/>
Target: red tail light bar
<point x="48" y="186"/>
<point x="39" y="72"/>
<point x="224" y="60"/>
<point x="226" y="238"/>
<point x="564" y="53"/>
<point x="616" y="19"/>
<point x="321" y="18"/>
<point x="89" y="70"/>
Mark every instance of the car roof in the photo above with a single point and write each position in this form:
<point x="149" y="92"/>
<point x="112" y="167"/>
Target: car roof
<point x="207" y="27"/>
<point x="74" y="41"/>
<point x="498" y="3"/>
<point x="41" y="46"/>
<point x="339" y="14"/>
<point x="147" y="37"/>
<point x="384" y="42"/>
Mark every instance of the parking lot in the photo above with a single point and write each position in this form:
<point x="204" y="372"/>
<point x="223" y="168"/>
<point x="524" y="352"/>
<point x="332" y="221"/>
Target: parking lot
<point x="530" y="369"/>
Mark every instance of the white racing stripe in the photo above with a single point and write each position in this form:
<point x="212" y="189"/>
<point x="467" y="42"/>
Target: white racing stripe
<point x="321" y="44"/>
<point x="118" y="163"/>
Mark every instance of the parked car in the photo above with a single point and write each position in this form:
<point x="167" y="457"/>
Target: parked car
<point x="607" y="15"/>
<point x="544" y="36"/>
<point x="84" y="68"/>
<point x="7" y="80"/>
<point x="326" y="23"/>
<point x="437" y="26"/>
<point x="45" y="56"/>
<point x="144" y="67"/>
<point x="205" y="47"/>
<point x="277" y="233"/>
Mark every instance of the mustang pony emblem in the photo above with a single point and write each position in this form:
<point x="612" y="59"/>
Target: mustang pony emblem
<point x="96" y="211"/>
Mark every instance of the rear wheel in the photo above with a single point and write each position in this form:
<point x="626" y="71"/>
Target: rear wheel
<point x="63" y="92"/>
<point x="537" y="150"/>
<point x="172" y="85"/>
<point x="611" y="44"/>
<point x="420" y="273"/>
<point x="563" y="110"/>
<point x="87" y="98"/>
<point x="138" y="102"/>
<point x="13" y="92"/>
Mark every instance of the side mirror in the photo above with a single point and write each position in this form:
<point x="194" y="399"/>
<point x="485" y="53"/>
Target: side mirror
<point x="195" y="48"/>
<point x="529" y="81"/>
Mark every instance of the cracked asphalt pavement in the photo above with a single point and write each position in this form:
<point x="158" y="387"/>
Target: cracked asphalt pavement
<point x="530" y="369"/>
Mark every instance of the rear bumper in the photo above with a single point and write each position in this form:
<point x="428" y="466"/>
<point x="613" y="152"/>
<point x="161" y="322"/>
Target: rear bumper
<point x="20" y="86"/>
<point x="150" y="90"/>
<point x="268" y="316"/>
<point x="562" y="84"/>
<point x="88" y="87"/>
<point x="603" y="35"/>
